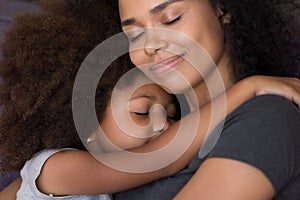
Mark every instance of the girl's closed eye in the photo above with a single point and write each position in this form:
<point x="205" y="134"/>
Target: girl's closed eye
<point x="139" y="107"/>
<point x="143" y="114"/>
<point x="171" y="116"/>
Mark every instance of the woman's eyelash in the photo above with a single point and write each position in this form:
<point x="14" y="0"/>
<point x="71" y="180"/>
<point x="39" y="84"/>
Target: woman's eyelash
<point x="133" y="39"/>
<point x="172" y="21"/>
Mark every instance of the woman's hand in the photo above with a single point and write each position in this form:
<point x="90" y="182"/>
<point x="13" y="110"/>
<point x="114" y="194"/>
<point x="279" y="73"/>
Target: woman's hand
<point x="282" y="86"/>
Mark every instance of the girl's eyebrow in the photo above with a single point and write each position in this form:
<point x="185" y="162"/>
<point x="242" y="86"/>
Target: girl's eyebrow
<point x="154" y="10"/>
<point x="141" y="96"/>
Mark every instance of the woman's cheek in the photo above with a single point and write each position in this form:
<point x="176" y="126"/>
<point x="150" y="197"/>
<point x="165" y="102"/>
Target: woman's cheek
<point x="137" y="57"/>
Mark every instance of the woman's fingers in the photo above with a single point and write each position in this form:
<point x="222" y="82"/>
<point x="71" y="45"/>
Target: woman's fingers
<point x="283" y="86"/>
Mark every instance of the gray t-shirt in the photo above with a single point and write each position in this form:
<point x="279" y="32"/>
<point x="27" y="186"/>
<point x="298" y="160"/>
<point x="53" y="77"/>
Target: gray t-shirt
<point x="30" y="172"/>
<point x="263" y="132"/>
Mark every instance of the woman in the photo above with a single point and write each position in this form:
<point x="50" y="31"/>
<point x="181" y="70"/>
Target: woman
<point x="238" y="35"/>
<point x="110" y="184"/>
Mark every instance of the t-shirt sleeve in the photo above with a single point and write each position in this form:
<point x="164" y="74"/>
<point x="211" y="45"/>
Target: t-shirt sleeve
<point x="265" y="133"/>
<point x="30" y="173"/>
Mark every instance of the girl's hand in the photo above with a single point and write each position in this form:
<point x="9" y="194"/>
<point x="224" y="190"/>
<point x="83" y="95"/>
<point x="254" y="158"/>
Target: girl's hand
<point x="282" y="86"/>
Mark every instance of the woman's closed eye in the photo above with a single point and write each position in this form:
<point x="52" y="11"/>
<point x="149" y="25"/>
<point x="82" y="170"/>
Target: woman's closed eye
<point x="173" y="21"/>
<point x="136" y="37"/>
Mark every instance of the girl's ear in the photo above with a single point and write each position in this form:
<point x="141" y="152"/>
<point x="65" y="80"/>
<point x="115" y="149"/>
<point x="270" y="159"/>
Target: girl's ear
<point x="223" y="15"/>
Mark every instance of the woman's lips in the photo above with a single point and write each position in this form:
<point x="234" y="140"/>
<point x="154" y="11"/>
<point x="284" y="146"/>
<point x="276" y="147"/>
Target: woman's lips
<point x="166" y="64"/>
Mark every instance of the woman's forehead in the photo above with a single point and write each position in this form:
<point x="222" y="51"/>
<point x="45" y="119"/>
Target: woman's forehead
<point x="150" y="5"/>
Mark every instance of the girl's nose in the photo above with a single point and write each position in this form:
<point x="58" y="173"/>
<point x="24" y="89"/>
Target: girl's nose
<point x="158" y="117"/>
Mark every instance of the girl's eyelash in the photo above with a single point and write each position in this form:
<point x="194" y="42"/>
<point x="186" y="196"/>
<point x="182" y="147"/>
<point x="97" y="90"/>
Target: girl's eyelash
<point x="141" y="114"/>
<point x="147" y="113"/>
<point x="172" y="21"/>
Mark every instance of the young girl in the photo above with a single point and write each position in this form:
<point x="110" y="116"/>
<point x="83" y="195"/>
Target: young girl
<point x="37" y="91"/>
<point x="37" y="172"/>
<point x="38" y="112"/>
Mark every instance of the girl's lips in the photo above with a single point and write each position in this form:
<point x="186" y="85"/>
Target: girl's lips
<point x="166" y="64"/>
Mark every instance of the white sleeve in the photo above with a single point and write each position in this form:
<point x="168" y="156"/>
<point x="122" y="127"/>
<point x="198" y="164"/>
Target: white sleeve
<point x="31" y="171"/>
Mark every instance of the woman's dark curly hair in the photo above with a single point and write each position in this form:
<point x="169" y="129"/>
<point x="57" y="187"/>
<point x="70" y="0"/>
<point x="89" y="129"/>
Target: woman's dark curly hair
<point x="41" y="56"/>
<point x="262" y="37"/>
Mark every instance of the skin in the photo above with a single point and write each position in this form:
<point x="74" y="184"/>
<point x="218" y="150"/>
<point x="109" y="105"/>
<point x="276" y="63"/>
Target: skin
<point x="10" y="191"/>
<point x="182" y="17"/>
<point x="142" y="116"/>
<point x="136" y="100"/>
<point x="199" y="21"/>
<point x="93" y="177"/>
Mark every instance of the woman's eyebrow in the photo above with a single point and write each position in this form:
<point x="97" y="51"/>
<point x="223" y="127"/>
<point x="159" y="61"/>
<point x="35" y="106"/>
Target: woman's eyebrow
<point x="154" y="10"/>
<point x="162" y="6"/>
<point x="128" y="22"/>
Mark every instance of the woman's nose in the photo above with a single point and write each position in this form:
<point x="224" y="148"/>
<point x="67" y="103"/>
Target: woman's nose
<point x="154" y="42"/>
<point x="159" y="118"/>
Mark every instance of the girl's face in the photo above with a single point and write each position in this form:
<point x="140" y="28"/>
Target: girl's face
<point x="149" y="26"/>
<point x="137" y="114"/>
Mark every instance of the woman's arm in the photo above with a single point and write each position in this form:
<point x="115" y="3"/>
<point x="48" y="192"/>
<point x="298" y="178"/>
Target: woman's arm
<point x="9" y="193"/>
<point x="77" y="172"/>
<point x="219" y="178"/>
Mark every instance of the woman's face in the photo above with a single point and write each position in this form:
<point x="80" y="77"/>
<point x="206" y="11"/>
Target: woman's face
<point x="162" y="54"/>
